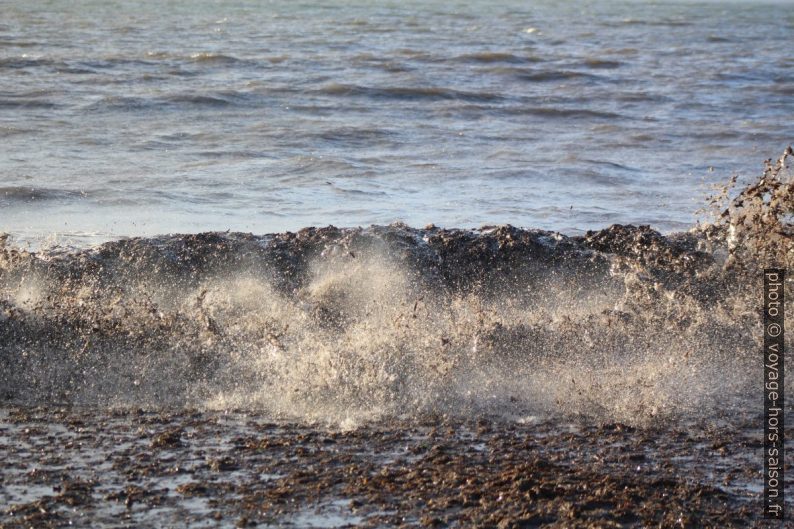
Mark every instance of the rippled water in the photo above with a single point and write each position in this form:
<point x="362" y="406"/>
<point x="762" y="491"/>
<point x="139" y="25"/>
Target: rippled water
<point x="131" y="118"/>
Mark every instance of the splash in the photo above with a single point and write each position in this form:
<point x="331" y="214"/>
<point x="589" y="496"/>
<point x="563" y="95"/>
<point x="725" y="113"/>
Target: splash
<point x="757" y="224"/>
<point x="349" y="325"/>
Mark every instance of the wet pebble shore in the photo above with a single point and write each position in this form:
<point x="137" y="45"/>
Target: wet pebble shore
<point x="134" y="468"/>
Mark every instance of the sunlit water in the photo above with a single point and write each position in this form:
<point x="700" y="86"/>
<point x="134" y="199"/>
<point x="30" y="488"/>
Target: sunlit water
<point x="135" y="118"/>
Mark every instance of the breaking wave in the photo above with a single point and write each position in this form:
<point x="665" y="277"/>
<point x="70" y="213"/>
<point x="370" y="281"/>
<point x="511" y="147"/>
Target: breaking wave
<point x="342" y="325"/>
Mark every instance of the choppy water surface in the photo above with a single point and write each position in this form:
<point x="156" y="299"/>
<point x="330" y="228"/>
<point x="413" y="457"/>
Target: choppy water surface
<point x="329" y="376"/>
<point x="131" y="118"/>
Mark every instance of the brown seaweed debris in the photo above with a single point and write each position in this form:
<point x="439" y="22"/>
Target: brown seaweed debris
<point x="757" y="223"/>
<point x="431" y="472"/>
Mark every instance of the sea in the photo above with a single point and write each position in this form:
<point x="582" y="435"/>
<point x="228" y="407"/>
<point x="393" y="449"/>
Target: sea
<point x="382" y="263"/>
<point x="122" y="118"/>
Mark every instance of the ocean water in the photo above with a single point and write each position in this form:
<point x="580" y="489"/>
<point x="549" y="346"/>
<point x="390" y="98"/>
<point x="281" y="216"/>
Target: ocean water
<point x="178" y="346"/>
<point x="122" y="118"/>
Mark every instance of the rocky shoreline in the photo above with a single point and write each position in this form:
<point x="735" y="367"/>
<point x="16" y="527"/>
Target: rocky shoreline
<point x="135" y="468"/>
